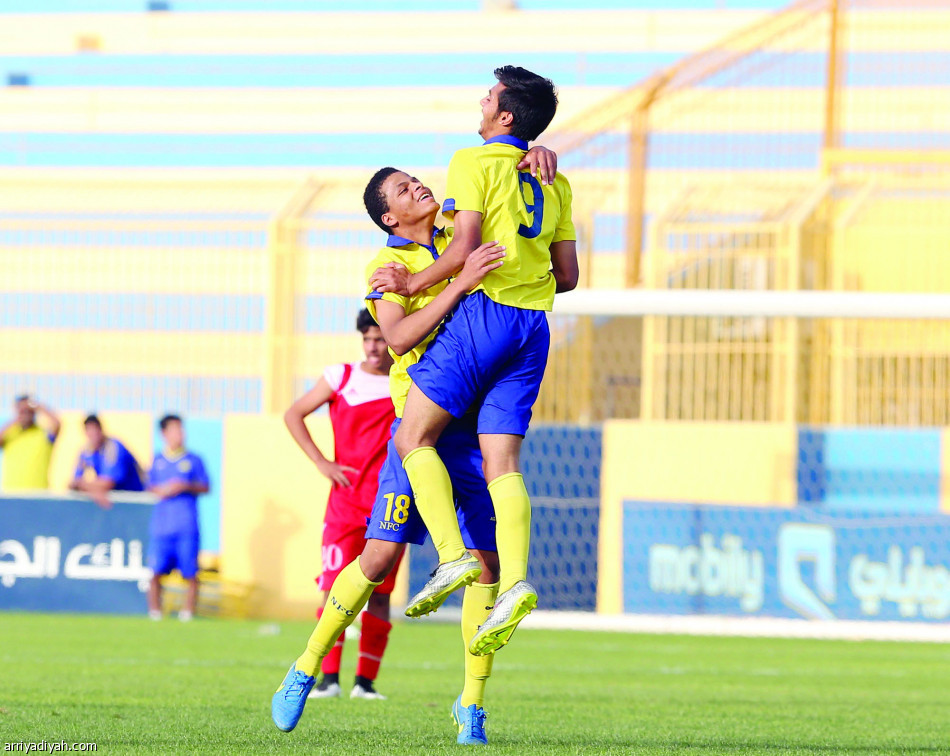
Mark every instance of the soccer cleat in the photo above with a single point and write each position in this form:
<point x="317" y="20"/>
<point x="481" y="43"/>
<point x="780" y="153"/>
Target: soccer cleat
<point x="510" y="608"/>
<point x="286" y="706"/>
<point x="326" y="689"/>
<point x="471" y="723"/>
<point x="369" y="694"/>
<point x="445" y="579"/>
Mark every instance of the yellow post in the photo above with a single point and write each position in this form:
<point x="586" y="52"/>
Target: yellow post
<point x="790" y="413"/>
<point x="280" y="327"/>
<point x="834" y="81"/>
<point x="649" y="340"/>
<point x="636" y="193"/>
<point x="637" y="176"/>
<point x="279" y="322"/>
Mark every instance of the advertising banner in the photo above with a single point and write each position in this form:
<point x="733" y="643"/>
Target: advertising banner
<point x="702" y="559"/>
<point x="66" y="554"/>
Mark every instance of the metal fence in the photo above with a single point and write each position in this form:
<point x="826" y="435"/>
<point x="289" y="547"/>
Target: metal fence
<point x="809" y="151"/>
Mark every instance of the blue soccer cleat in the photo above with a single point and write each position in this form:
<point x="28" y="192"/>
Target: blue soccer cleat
<point x="286" y="707"/>
<point x="471" y="723"/>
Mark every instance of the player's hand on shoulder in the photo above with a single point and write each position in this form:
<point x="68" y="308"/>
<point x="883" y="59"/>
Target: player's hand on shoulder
<point x="392" y="277"/>
<point x="483" y="260"/>
<point x="336" y="473"/>
<point x="540" y="161"/>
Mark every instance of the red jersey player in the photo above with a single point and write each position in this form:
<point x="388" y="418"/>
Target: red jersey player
<point x="361" y="413"/>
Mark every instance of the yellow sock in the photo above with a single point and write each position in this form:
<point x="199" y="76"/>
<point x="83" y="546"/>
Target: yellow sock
<point x="432" y="490"/>
<point x="348" y="595"/>
<point x="512" y="527"/>
<point x="477" y="602"/>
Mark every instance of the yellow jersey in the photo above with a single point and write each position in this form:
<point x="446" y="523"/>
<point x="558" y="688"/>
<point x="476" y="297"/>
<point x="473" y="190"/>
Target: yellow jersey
<point x="26" y="456"/>
<point x="415" y="257"/>
<point x="518" y="212"/>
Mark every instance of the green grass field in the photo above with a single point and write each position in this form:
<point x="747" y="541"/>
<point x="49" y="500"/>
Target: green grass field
<point x="131" y="685"/>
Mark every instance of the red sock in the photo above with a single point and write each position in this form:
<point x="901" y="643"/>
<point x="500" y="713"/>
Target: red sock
<point x="373" y="640"/>
<point x="331" y="662"/>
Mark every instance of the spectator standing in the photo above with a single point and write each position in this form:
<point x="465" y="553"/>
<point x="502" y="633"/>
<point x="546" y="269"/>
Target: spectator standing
<point x="27" y="447"/>
<point x="177" y="478"/>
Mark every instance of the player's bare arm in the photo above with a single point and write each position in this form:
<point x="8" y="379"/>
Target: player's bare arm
<point x="97" y="489"/>
<point x="564" y="265"/>
<point x="310" y="402"/>
<point x="395" y="278"/>
<point x="403" y="332"/>
<point x="175" y="487"/>
<point x="466" y="239"/>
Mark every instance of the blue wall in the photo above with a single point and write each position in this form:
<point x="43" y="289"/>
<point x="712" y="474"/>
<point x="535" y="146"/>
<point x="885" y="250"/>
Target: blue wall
<point x="870" y="469"/>
<point x="561" y="466"/>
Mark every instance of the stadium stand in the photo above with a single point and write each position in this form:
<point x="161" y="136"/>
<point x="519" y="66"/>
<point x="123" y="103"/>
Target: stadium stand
<point x="112" y="98"/>
<point x="181" y="228"/>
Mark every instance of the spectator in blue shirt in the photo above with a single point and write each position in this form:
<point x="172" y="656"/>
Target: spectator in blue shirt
<point x="177" y="478"/>
<point x="104" y="465"/>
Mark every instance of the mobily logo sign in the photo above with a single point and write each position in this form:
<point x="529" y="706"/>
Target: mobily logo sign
<point x="710" y="570"/>
<point x="800" y="544"/>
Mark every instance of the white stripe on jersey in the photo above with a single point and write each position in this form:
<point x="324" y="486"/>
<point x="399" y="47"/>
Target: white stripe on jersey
<point x="361" y="388"/>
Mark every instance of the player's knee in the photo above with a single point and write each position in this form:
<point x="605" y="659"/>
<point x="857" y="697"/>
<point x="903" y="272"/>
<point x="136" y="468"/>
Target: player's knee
<point x="376" y="562"/>
<point x="495" y="468"/>
<point x="411" y="440"/>
<point x="403" y="445"/>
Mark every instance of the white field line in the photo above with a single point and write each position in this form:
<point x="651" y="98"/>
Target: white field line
<point x="746" y="627"/>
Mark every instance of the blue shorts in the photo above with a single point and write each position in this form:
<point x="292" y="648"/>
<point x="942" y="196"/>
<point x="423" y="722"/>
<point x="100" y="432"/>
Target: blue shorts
<point x="487" y="355"/>
<point x="395" y="518"/>
<point x="178" y="550"/>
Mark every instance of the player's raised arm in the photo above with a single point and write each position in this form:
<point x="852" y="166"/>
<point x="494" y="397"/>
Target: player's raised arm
<point x="467" y="185"/>
<point x="403" y="332"/>
<point x="467" y="238"/>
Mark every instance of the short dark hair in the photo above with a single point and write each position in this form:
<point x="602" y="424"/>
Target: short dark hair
<point x="165" y="421"/>
<point x="376" y="204"/>
<point x="365" y="321"/>
<point x="92" y="419"/>
<point x="21" y="398"/>
<point x="530" y="98"/>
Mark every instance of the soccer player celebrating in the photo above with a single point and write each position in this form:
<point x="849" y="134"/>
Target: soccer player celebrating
<point x="494" y="347"/>
<point x="406" y="210"/>
<point x="361" y="413"/>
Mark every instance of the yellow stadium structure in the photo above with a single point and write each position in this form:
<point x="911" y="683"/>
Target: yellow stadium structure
<point x="181" y="228"/>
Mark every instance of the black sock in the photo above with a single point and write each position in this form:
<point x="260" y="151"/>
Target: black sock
<point x="329" y="678"/>
<point x="364" y="682"/>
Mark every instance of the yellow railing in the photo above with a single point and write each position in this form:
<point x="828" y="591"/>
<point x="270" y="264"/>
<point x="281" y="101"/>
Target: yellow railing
<point x="734" y="168"/>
